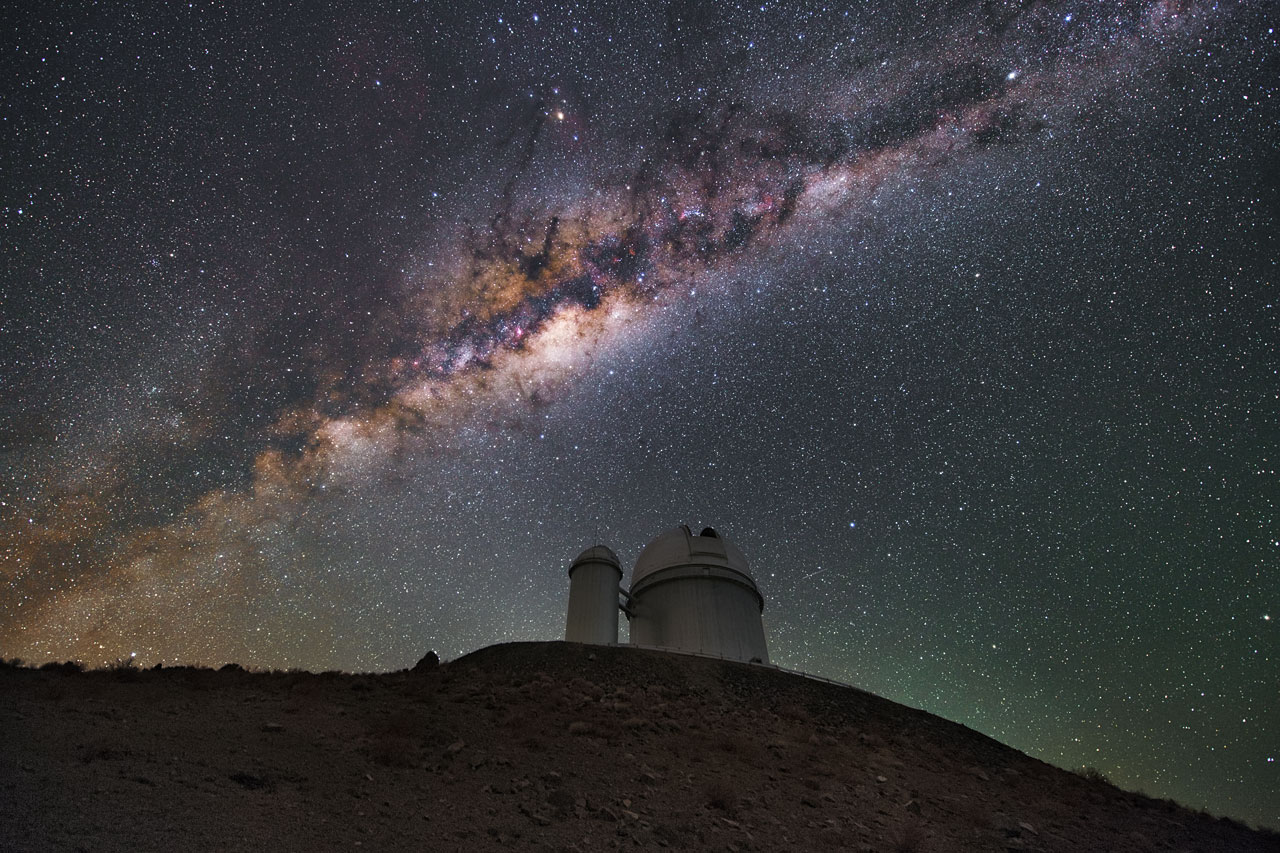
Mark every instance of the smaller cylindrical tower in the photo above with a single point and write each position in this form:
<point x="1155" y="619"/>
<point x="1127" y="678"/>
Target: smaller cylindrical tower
<point x="593" y="597"/>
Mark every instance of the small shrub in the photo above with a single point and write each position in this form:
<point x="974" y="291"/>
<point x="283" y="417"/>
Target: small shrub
<point x="1093" y="774"/>
<point x="721" y="796"/>
<point x="70" y="667"/>
<point x="123" y="669"/>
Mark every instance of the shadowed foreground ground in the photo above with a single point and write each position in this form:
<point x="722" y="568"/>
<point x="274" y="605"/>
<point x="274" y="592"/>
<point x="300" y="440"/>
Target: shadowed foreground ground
<point x="544" y="746"/>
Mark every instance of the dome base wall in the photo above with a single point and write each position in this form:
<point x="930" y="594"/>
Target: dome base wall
<point x="707" y="615"/>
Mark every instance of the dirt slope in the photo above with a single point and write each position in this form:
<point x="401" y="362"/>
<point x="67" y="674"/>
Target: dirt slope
<point x="543" y="746"/>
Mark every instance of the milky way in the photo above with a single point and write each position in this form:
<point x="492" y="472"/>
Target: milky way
<point x="329" y="341"/>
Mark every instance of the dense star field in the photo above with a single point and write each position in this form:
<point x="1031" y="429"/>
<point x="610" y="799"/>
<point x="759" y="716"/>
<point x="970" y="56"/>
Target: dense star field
<point x="331" y="335"/>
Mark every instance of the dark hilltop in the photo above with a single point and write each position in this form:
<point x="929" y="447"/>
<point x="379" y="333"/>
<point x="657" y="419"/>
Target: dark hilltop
<point x="536" y="746"/>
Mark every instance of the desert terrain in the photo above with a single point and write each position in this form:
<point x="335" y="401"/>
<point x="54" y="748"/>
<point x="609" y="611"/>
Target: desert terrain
<point x="536" y="746"/>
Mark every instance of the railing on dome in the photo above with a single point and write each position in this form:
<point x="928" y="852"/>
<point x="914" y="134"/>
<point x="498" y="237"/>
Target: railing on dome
<point x="800" y="672"/>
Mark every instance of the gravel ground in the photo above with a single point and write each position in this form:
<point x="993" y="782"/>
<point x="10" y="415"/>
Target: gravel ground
<point x="540" y="746"/>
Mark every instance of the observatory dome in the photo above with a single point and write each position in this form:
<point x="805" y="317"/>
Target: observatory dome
<point x="695" y="593"/>
<point x="596" y="554"/>
<point x="679" y="548"/>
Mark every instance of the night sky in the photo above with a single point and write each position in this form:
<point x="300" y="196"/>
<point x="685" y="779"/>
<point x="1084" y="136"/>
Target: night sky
<point x="331" y="335"/>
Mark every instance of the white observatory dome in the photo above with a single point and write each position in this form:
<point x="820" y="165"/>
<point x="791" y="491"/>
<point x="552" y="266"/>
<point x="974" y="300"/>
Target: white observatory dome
<point x="695" y="593"/>
<point x="679" y="547"/>
<point x="596" y="553"/>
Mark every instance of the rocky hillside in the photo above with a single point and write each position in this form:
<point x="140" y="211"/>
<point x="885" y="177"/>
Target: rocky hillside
<point x="542" y="746"/>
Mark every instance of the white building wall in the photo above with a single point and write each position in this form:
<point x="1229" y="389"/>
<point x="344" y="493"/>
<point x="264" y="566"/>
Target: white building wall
<point x="710" y="615"/>
<point x="593" y="603"/>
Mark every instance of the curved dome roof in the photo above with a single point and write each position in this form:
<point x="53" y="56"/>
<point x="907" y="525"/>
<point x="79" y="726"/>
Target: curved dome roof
<point x="597" y="554"/>
<point x="681" y="547"/>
